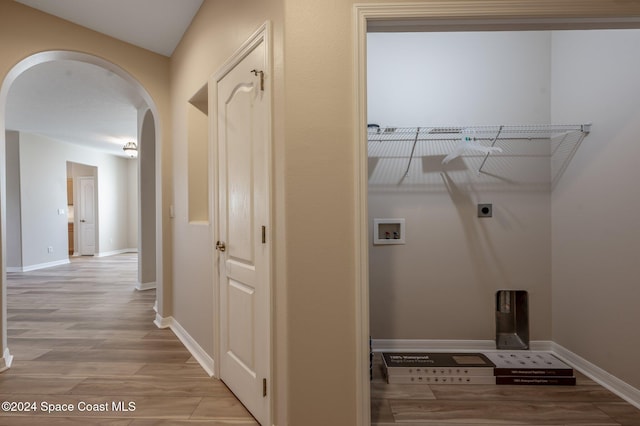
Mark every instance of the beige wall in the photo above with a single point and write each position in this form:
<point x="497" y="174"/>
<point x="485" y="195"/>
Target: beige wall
<point x="313" y="280"/>
<point x="596" y="236"/>
<point x="320" y="212"/>
<point x="314" y="153"/>
<point x="218" y="30"/>
<point x="147" y="181"/>
<point x="14" y="213"/>
<point x="43" y="177"/>
<point x="320" y="125"/>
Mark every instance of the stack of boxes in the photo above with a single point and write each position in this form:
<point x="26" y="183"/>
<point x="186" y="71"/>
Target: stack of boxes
<point x="502" y="368"/>
<point x="531" y="368"/>
<point x="438" y="368"/>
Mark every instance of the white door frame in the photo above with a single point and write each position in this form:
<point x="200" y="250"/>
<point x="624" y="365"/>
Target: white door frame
<point x="437" y="16"/>
<point x="261" y="35"/>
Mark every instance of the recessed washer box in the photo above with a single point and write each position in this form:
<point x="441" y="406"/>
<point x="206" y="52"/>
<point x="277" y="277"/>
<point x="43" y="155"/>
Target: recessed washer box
<point x="388" y="231"/>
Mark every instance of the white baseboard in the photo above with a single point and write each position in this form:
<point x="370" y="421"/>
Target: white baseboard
<point x="595" y="373"/>
<point x="38" y="266"/>
<point x="416" y="345"/>
<point x="6" y="360"/>
<point x="598" y="375"/>
<point x="162" y="322"/>
<point x="115" y="252"/>
<point x="145" y="286"/>
<point x="199" y="354"/>
<point x="420" y="345"/>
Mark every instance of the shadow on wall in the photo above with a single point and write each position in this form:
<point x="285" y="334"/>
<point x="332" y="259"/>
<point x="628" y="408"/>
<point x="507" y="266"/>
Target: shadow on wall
<point x="479" y="244"/>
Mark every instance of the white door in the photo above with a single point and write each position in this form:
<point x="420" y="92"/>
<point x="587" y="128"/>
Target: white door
<point x="243" y="123"/>
<point x="86" y="217"/>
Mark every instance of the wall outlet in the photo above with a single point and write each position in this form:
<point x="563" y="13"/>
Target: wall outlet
<point x="485" y="210"/>
<point x="50" y="250"/>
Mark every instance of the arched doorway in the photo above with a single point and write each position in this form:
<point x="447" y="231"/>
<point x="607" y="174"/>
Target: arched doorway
<point x="149" y="195"/>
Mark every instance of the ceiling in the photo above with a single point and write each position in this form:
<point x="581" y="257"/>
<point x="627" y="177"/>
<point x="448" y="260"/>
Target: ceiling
<point x="156" y="25"/>
<point x="81" y="103"/>
<point x="74" y="102"/>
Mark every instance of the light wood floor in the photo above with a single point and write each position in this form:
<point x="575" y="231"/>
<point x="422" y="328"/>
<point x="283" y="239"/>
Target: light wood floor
<point x="587" y="403"/>
<point x="80" y="334"/>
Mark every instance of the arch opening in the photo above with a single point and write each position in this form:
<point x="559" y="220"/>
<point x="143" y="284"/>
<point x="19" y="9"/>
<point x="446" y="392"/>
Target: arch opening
<point x="149" y="194"/>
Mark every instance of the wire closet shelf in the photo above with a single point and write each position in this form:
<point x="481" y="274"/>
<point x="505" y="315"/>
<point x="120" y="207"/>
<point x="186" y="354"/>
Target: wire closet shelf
<point x="479" y="138"/>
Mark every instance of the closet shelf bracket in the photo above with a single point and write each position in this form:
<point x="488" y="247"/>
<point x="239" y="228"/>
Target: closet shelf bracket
<point x="493" y="143"/>
<point x="413" y="150"/>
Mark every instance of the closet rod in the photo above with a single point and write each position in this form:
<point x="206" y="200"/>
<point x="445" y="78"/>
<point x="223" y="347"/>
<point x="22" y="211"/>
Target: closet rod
<point x="432" y="133"/>
<point x="525" y="132"/>
<point x="413" y="139"/>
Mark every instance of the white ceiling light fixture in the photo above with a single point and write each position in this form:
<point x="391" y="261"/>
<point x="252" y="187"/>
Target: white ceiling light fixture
<point x="131" y="149"/>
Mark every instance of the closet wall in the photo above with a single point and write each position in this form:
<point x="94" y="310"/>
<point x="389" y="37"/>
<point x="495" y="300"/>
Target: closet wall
<point x="442" y="283"/>
<point x="573" y="245"/>
<point x="595" y="232"/>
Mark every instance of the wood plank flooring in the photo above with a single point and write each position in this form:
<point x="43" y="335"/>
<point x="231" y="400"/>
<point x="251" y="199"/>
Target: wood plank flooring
<point x="587" y="403"/>
<point x="81" y="335"/>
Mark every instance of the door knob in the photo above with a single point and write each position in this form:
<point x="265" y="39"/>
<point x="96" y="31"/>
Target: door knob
<point x="220" y="246"/>
<point x="82" y="220"/>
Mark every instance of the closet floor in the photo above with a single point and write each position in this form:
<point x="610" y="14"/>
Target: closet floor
<point x="81" y="335"/>
<point x="587" y="403"/>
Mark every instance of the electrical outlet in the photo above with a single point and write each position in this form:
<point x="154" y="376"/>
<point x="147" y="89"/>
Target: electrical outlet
<point x="50" y="250"/>
<point x="485" y="210"/>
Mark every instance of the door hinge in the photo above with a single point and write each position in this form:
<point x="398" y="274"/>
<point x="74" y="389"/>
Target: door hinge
<point x="264" y="387"/>
<point x="264" y="235"/>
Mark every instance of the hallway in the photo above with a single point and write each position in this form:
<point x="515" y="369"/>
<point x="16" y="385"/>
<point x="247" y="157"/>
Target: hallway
<point x="82" y="338"/>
